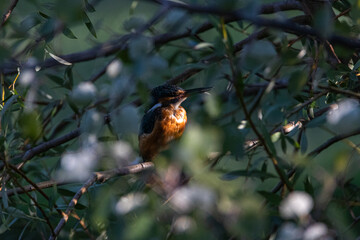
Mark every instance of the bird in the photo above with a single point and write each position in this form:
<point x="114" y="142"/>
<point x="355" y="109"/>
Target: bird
<point x="165" y="120"/>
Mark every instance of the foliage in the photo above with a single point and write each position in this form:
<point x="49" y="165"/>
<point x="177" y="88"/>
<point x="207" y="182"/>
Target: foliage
<point x="272" y="151"/>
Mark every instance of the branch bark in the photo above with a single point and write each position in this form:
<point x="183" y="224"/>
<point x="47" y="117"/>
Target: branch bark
<point x="285" y="25"/>
<point x="98" y="177"/>
<point x="112" y="47"/>
<point x="7" y="14"/>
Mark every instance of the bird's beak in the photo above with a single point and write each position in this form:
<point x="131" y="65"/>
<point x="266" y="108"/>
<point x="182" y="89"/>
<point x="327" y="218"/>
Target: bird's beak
<point x="196" y="90"/>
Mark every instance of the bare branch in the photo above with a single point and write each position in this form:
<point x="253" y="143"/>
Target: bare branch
<point x="30" y="188"/>
<point x="37" y="205"/>
<point x="318" y="150"/>
<point x="35" y="186"/>
<point x="43" y="147"/>
<point x="112" y="47"/>
<point x="264" y="22"/>
<point x="333" y="140"/>
<point x="50" y="144"/>
<point x="341" y="91"/>
<point x="8" y="12"/>
<point x="102" y="177"/>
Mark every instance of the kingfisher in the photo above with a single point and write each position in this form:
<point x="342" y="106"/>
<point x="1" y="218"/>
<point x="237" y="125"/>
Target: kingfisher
<point x="165" y="121"/>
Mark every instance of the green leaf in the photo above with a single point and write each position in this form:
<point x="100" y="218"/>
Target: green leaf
<point x="30" y="125"/>
<point x="58" y="80"/>
<point x="7" y="224"/>
<point x="275" y="137"/>
<point x="69" y="77"/>
<point x="308" y="186"/>
<point x="48" y="29"/>
<point x="292" y="142"/>
<point x="58" y="59"/>
<point x="297" y="81"/>
<point x="69" y="191"/>
<point x="317" y="122"/>
<point x="267" y="139"/>
<point x="264" y="169"/>
<point x="341" y="5"/>
<point x="271" y="197"/>
<point x="8" y="104"/>
<point x="5" y="199"/>
<point x="244" y="173"/>
<point x="16" y="213"/>
<point x="30" y="22"/>
<point x="72" y="105"/>
<point x="203" y="45"/>
<point x="44" y="15"/>
<point x="88" y="24"/>
<point x="281" y="172"/>
<point x="233" y="140"/>
<point x="68" y="33"/>
<point x="89" y="7"/>
<point x="283" y="143"/>
<point x="303" y="143"/>
<point x="356" y="66"/>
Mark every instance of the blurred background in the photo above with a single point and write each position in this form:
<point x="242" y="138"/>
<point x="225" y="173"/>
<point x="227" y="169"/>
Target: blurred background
<point x="272" y="151"/>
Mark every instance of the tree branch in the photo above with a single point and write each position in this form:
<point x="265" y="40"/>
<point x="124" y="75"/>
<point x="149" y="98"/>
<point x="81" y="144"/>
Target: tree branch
<point x="112" y="47"/>
<point x="43" y="147"/>
<point x="102" y="177"/>
<point x="317" y="151"/>
<point x="30" y="188"/>
<point x="263" y="22"/>
<point x="49" y="144"/>
<point x="36" y="204"/>
<point x="8" y="12"/>
<point x="341" y="91"/>
<point x="333" y="140"/>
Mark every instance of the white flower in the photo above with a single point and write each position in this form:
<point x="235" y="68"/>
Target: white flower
<point x="78" y="165"/>
<point x="183" y="224"/>
<point x="345" y="117"/>
<point x="130" y="202"/>
<point x="289" y="231"/>
<point x="188" y="198"/>
<point x="297" y="204"/>
<point x="316" y="231"/>
<point x="84" y="93"/>
<point x="27" y="77"/>
<point x="114" y="68"/>
<point x="122" y="152"/>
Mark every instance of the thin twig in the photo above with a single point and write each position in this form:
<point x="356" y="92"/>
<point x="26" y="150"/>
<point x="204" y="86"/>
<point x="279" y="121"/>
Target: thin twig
<point x="101" y="177"/>
<point x="239" y="94"/>
<point x="341" y="91"/>
<point x="317" y="151"/>
<point x="37" y="205"/>
<point x="306" y="103"/>
<point x="43" y="147"/>
<point x="113" y="46"/>
<point x="333" y="140"/>
<point x="34" y="185"/>
<point x="8" y="12"/>
<point x="40" y="185"/>
<point x="264" y="22"/>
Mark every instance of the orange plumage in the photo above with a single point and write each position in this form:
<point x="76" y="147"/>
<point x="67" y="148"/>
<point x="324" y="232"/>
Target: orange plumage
<point x="169" y="126"/>
<point x="165" y="121"/>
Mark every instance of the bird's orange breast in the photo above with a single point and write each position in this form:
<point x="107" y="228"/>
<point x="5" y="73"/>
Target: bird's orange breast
<point x="169" y="126"/>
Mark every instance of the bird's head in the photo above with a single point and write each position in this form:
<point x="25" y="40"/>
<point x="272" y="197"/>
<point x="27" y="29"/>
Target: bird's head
<point x="173" y="95"/>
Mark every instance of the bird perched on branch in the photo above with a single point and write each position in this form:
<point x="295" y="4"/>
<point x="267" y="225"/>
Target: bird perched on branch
<point x="165" y="120"/>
